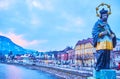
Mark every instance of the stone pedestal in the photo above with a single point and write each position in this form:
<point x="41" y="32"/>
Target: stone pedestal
<point x="104" y="74"/>
<point x="91" y="78"/>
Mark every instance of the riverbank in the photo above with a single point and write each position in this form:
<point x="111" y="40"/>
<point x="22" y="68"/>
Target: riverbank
<point x="62" y="73"/>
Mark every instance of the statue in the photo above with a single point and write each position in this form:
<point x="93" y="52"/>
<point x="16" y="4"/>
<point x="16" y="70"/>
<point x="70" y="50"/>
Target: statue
<point x="104" y="39"/>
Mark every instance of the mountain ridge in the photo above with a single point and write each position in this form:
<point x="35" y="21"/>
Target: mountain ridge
<point x="7" y="45"/>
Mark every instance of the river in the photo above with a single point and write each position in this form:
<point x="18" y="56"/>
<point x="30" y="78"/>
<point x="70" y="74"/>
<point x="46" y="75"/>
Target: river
<point x="19" y="72"/>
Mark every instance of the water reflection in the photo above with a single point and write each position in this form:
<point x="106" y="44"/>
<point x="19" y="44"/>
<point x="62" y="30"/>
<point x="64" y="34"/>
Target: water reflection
<point x="18" y="72"/>
<point x="14" y="72"/>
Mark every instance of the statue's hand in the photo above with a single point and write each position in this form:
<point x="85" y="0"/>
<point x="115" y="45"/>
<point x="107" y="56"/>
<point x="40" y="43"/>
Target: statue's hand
<point x="112" y="35"/>
<point x="103" y="33"/>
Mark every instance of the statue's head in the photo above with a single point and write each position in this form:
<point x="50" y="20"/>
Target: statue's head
<point x="103" y="14"/>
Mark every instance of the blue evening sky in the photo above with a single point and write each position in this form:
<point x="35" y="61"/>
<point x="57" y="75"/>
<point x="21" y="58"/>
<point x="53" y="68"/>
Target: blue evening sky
<point x="46" y="25"/>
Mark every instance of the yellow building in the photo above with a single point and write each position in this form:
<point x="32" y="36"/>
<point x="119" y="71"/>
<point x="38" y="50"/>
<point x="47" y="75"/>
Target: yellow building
<point x="84" y="52"/>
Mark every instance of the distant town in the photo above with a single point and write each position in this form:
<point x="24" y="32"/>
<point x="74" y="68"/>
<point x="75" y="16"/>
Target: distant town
<point x="82" y="55"/>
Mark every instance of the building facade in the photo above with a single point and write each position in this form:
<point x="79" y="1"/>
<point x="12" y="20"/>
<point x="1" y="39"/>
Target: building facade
<point x="84" y="52"/>
<point x="66" y="56"/>
<point x="115" y="55"/>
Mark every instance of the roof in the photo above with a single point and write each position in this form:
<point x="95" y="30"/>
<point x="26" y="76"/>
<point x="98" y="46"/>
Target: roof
<point x="84" y="41"/>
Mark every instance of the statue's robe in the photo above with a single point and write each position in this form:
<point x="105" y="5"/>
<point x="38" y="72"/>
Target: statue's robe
<point x="103" y="44"/>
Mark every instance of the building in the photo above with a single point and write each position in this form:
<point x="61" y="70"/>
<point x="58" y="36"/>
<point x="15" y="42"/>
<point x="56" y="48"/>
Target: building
<point x="84" y="52"/>
<point x="115" y="55"/>
<point x="71" y="56"/>
<point x="66" y="56"/>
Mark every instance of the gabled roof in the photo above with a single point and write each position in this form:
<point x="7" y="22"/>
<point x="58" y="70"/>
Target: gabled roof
<point x="65" y="50"/>
<point x="84" y="41"/>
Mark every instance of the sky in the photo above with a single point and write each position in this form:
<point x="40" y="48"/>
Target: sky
<point x="48" y="25"/>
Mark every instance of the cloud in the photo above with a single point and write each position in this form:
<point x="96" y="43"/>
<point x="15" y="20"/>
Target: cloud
<point x="77" y="21"/>
<point x="5" y="4"/>
<point x="35" y="21"/>
<point x="40" y="4"/>
<point x="32" y="21"/>
<point x="18" y="39"/>
<point x="73" y="24"/>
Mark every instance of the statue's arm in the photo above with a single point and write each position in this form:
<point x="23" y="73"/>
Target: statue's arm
<point x="95" y="34"/>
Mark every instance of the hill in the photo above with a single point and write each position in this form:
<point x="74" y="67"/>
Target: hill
<point x="6" y="45"/>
